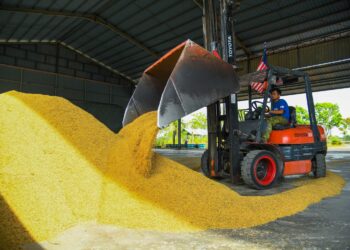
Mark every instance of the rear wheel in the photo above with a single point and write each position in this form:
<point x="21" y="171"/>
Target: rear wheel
<point x="260" y="169"/>
<point x="319" y="165"/>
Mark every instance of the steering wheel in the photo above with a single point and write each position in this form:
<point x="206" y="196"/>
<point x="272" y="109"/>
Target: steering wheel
<point x="258" y="111"/>
<point x="255" y="106"/>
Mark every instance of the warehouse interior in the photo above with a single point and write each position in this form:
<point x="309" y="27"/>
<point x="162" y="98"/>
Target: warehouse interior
<point x="93" y="54"/>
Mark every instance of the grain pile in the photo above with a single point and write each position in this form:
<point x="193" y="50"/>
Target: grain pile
<point x="59" y="167"/>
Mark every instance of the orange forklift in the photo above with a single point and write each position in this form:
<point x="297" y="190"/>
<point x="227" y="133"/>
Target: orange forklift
<point x="190" y="77"/>
<point x="291" y="149"/>
<point x="235" y="149"/>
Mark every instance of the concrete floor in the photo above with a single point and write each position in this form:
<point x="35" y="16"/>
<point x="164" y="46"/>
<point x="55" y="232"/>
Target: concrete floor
<point x="325" y="225"/>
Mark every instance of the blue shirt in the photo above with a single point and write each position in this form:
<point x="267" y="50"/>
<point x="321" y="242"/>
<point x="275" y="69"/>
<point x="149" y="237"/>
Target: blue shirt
<point x="281" y="105"/>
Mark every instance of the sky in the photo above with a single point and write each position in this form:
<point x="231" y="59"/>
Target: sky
<point x="339" y="96"/>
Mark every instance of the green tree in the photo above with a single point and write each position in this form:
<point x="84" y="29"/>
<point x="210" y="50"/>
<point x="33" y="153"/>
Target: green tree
<point x="345" y="126"/>
<point x="173" y="127"/>
<point x="346" y="138"/>
<point x="168" y="134"/>
<point x="328" y="115"/>
<point x="165" y="135"/>
<point x="302" y="115"/>
<point x="198" y="121"/>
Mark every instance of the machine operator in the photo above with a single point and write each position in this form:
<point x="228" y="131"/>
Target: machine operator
<point x="279" y="113"/>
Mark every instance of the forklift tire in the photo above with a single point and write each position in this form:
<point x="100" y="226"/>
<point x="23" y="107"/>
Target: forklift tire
<point x="205" y="164"/>
<point x="260" y="169"/>
<point x="319" y="168"/>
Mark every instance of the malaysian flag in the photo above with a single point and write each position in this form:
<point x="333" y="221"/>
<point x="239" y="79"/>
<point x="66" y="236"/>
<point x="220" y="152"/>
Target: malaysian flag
<point x="261" y="86"/>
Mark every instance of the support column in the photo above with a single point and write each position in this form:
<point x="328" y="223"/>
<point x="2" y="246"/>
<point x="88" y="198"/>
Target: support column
<point x="179" y="134"/>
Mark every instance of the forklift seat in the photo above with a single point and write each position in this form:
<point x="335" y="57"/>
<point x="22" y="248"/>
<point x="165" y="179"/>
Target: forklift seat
<point x="292" y="120"/>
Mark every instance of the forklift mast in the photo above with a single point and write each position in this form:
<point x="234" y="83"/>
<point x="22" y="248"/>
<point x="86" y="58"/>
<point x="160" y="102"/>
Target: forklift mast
<point x="218" y="29"/>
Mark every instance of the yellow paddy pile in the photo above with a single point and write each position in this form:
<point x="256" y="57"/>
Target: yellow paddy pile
<point x="59" y="167"/>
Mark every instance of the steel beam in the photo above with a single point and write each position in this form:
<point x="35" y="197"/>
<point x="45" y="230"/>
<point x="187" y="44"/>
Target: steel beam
<point x="90" y="17"/>
<point x="243" y="47"/>
<point x="199" y="3"/>
<point x="302" y="44"/>
<point x="276" y="32"/>
<point x="98" y="62"/>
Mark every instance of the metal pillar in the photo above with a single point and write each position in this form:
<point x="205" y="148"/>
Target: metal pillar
<point x="211" y="36"/>
<point x="229" y="55"/>
<point x="219" y="36"/>
<point x="179" y="134"/>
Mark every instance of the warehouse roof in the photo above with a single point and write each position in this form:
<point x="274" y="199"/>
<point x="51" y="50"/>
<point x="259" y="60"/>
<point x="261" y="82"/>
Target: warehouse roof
<point x="126" y="36"/>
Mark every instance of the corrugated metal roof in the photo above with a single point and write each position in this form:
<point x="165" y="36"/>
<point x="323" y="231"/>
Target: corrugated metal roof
<point x="153" y="27"/>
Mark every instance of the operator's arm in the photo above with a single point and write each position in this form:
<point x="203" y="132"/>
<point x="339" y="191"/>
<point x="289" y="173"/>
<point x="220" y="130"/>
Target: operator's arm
<point x="277" y="112"/>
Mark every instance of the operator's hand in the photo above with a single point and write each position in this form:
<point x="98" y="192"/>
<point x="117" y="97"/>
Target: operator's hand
<point x="267" y="114"/>
<point x="277" y="112"/>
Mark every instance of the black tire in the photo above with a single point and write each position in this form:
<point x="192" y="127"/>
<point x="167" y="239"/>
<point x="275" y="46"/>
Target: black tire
<point x="260" y="169"/>
<point x="319" y="166"/>
<point x="205" y="164"/>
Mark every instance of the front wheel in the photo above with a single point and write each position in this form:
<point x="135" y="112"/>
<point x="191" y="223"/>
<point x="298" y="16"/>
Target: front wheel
<point x="205" y="165"/>
<point x="260" y="169"/>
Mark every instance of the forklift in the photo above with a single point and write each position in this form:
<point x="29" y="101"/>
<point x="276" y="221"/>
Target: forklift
<point x="292" y="149"/>
<point x="190" y="77"/>
<point x="235" y="149"/>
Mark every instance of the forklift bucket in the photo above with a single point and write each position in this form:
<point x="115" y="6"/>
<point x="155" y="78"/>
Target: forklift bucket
<point x="185" y="79"/>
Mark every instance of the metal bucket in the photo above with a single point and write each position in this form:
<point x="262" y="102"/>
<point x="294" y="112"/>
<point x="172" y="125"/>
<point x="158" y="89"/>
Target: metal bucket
<point x="184" y="80"/>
